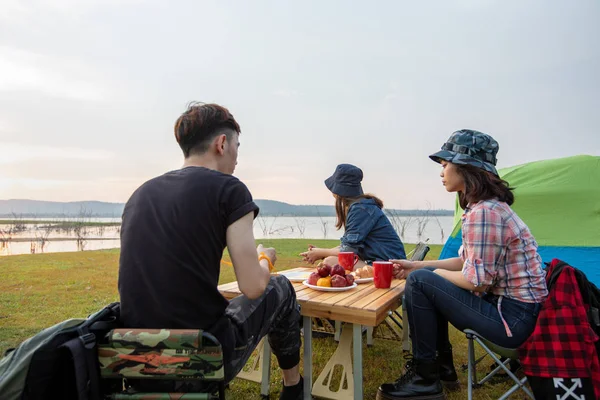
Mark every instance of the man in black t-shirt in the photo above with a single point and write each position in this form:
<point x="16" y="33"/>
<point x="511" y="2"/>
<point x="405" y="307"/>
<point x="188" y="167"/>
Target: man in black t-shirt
<point x="175" y="228"/>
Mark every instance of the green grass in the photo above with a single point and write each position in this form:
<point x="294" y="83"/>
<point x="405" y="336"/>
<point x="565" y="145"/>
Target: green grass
<point x="40" y="290"/>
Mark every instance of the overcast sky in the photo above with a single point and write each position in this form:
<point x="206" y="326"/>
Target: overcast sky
<point x="89" y="90"/>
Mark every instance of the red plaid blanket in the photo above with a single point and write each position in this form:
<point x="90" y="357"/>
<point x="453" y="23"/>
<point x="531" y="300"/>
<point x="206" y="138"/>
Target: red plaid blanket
<point x="562" y="344"/>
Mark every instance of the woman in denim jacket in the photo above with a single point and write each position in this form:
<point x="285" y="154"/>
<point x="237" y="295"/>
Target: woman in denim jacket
<point x="368" y="232"/>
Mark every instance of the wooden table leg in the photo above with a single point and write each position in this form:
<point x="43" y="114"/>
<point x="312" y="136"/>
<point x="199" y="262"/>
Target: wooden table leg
<point x="341" y="357"/>
<point x="260" y="370"/>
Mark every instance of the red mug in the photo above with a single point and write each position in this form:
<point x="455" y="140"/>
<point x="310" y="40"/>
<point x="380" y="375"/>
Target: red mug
<point x="348" y="260"/>
<point x="382" y="274"/>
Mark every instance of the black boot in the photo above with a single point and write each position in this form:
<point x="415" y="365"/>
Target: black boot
<point x="421" y="381"/>
<point x="447" y="372"/>
<point x="295" y="392"/>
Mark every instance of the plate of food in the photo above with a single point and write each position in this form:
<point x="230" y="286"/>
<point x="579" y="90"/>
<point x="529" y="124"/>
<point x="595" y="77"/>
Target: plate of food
<point x="363" y="275"/>
<point x="330" y="279"/>
<point x="330" y="288"/>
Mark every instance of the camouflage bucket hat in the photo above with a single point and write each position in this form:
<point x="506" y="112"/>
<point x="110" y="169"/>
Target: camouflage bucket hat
<point x="469" y="147"/>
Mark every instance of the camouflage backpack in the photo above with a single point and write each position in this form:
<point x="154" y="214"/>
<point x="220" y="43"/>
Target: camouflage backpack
<point x="58" y="362"/>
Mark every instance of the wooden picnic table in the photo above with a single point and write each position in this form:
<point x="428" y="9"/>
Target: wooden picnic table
<point x="364" y="305"/>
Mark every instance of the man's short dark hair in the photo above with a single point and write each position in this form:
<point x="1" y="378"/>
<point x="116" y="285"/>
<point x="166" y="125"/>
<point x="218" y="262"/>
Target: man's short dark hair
<point x="200" y="124"/>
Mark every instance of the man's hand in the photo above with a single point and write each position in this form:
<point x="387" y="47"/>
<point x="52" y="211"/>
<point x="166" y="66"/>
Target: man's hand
<point x="402" y="268"/>
<point x="269" y="252"/>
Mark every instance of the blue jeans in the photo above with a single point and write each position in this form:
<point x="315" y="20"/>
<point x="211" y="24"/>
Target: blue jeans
<point x="433" y="301"/>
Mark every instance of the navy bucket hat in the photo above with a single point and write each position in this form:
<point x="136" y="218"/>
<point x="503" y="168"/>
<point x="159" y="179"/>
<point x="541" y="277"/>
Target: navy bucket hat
<point x="470" y="147"/>
<point x="345" y="181"/>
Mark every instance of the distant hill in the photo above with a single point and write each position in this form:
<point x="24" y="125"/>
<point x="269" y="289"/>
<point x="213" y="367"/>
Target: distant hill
<point x="272" y="207"/>
<point x="38" y="208"/>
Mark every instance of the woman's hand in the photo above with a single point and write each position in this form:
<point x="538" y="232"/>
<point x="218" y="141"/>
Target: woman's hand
<point x="402" y="268"/>
<point x="313" y="254"/>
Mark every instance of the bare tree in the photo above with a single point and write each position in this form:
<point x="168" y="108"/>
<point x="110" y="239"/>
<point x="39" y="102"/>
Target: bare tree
<point x="324" y="224"/>
<point x="7" y="231"/>
<point x="5" y="236"/>
<point x="17" y="223"/>
<point x="100" y="230"/>
<point x="399" y="223"/>
<point x="263" y="223"/>
<point x="281" y="229"/>
<point x="15" y="226"/>
<point x="301" y="225"/>
<point x="422" y="222"/>
<point x="393" y="217"/>
<point x="404" y="224"/>
<point x="80" y="227"/>
<point x="66" y="225"/>
<point x="421" y="225"/>
<point x="41" y="237"/>
<point x="437" y="220"/>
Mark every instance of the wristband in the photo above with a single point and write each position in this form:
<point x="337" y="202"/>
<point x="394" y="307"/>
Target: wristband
<point x="263" y="256"/>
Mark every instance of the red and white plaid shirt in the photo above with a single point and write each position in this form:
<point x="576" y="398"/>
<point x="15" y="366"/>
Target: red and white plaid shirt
<point x="499" y="251"/>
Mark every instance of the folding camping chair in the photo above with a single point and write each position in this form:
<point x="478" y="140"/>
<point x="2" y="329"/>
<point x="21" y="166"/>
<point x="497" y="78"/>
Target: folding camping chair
<point x="492" y="350"/>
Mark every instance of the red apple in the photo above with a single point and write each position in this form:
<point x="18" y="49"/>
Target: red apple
<point x="338" y="281"/>
<point x="313" y="278"/>
<point x="338" y="270"/>
<point x="350" y="279"/>
<point x="324" y="270"/>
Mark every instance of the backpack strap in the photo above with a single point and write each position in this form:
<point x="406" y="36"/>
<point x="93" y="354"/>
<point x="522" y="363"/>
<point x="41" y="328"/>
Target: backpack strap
<point x="85" y="363"/>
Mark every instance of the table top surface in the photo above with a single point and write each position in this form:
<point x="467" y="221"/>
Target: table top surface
<point x="364" y="304"/>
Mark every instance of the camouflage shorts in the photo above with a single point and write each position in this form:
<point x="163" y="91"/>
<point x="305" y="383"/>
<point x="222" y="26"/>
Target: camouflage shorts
<point x="276" y="314"/>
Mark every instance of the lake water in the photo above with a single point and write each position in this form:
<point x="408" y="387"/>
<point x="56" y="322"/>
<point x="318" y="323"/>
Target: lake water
<point x="411" y="230"/>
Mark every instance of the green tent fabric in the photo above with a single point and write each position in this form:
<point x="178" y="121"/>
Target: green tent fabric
<point x="559" y="199"/>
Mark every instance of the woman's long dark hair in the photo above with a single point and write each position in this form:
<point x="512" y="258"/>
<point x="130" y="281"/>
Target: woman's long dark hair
<point x="482" y="185"/>
<point x="342" y="204"/>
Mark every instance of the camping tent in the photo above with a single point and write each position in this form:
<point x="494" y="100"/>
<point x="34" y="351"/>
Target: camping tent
<point x="559" y="199"/>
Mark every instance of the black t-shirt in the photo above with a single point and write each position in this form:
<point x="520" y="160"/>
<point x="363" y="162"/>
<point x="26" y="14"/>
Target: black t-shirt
<point x="172" y="240"/>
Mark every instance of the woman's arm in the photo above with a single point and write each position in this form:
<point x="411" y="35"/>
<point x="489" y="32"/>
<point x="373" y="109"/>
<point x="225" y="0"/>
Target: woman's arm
<point x="315" y="253"/>
<point x="450" y="264"/>
<point x="484" y="239"/>
<point x="457" y="278"/>
<point x="404" y="267"/>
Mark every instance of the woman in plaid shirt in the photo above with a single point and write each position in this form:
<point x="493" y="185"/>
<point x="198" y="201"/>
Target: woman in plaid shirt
<point x="495" y="286"/>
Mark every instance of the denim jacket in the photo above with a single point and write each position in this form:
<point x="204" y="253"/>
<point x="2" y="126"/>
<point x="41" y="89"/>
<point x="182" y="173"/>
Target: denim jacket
<point x="370" y="234"/>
